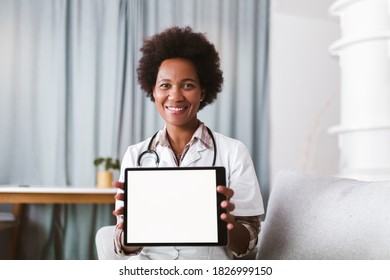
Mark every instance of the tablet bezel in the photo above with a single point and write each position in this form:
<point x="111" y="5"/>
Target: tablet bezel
<point x="220" y="176"/>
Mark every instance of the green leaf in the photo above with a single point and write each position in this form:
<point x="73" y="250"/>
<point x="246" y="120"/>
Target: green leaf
<point x="98" y="161"/>
<point x="109" y="163"/>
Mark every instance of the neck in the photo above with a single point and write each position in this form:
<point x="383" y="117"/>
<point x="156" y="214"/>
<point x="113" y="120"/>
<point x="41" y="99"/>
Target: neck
<point x="179" y="136"/>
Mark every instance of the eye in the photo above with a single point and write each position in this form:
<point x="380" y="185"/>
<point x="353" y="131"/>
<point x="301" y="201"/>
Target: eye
<point x="188" y="86"/>
<point x="164" y="86"/>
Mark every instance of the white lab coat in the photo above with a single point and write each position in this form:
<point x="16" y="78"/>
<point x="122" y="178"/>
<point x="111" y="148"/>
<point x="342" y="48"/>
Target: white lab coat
<point x="240" y="176"/>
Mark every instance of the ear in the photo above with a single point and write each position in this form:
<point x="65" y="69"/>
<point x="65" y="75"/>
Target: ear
<point x="203" y="95"/>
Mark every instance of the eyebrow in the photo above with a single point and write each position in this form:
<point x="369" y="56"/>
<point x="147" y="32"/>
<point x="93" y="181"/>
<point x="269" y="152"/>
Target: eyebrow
<point x="184" y="80"/>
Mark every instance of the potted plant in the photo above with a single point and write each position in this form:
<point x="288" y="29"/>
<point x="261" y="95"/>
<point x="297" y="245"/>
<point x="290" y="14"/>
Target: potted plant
<point x="104" y="177"/>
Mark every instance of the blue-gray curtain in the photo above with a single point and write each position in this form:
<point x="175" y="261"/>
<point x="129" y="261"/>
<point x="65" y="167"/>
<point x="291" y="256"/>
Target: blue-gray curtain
<point x="68" y="93"/>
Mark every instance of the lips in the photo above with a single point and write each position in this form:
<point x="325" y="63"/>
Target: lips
<point x="175" y="109"/>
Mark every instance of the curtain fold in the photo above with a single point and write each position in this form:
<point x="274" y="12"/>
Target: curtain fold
<point x="69" y="93"/>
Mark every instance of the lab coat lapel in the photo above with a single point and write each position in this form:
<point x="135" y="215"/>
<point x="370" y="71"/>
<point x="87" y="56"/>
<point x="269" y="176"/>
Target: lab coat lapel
<point x="166" y="158"/>
<point x="194" y="154"/>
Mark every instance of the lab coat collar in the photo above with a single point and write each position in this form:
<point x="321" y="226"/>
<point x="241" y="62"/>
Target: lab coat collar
<point x="200" y="142"/>
<point x="195" y="153"/>
<point x="200" y="134"/>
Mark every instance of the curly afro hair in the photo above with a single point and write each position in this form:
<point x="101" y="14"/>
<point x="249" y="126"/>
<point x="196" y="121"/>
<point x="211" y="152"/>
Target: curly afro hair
<point x="176" y="42"/>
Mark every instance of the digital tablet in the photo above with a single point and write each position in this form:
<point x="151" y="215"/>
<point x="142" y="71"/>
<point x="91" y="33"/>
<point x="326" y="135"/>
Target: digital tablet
<point x="174" y="207"/>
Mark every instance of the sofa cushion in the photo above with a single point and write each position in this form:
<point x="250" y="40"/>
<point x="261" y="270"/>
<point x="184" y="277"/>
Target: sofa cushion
<point x="320" y="217"/>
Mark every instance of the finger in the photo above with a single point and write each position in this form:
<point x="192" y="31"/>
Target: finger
<point x="120" y="226"/>
<point x="118" y="212"/>
<point x="229" y="219"/>
<point x="119" y="196"/>
<point x="227" y="205"/>
<point x="225" y="191"/>
<point x="118" y="185"/>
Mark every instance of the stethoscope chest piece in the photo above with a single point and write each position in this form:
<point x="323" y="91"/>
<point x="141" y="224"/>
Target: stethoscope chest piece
<point x="148" y="156"/>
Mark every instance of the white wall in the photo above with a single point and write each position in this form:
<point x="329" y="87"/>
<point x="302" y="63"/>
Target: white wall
<point x="304" y="93"/>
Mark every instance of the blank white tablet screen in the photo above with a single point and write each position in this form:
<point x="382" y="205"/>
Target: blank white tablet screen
<point x="172" y="206"/>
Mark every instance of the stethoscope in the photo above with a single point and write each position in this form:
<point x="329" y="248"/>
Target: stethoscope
<point x="153" y="153"/>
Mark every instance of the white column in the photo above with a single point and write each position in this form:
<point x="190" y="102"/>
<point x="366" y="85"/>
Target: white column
<point x="364" y="57"/>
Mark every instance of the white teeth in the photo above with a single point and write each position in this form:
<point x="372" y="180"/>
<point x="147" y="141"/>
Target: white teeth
<point x="175" y="109"/>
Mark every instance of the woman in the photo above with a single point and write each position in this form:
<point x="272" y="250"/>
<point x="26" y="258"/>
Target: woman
<point x="180" y="72"/>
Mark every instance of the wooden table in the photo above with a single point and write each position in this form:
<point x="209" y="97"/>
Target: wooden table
<point x="56" y="195"/>
<point x="21" y="195"/>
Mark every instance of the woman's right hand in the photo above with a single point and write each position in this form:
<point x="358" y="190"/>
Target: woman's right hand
<point x="119" y="196"/>
<point x="119" y="212"/>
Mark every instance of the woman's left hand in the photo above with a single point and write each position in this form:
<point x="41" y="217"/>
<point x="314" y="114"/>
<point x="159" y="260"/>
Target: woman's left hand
<point x="226" y="204"/>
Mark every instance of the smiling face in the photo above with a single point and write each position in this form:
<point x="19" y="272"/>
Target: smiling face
<point x="177" y="93"/>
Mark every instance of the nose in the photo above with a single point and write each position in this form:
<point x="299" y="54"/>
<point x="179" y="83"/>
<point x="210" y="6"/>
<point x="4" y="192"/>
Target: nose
<point x="175" y="94"/>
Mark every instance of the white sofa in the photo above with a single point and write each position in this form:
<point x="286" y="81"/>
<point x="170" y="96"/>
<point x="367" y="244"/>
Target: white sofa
<point x="315" y="217"/>
<point x="318" y="217"/>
